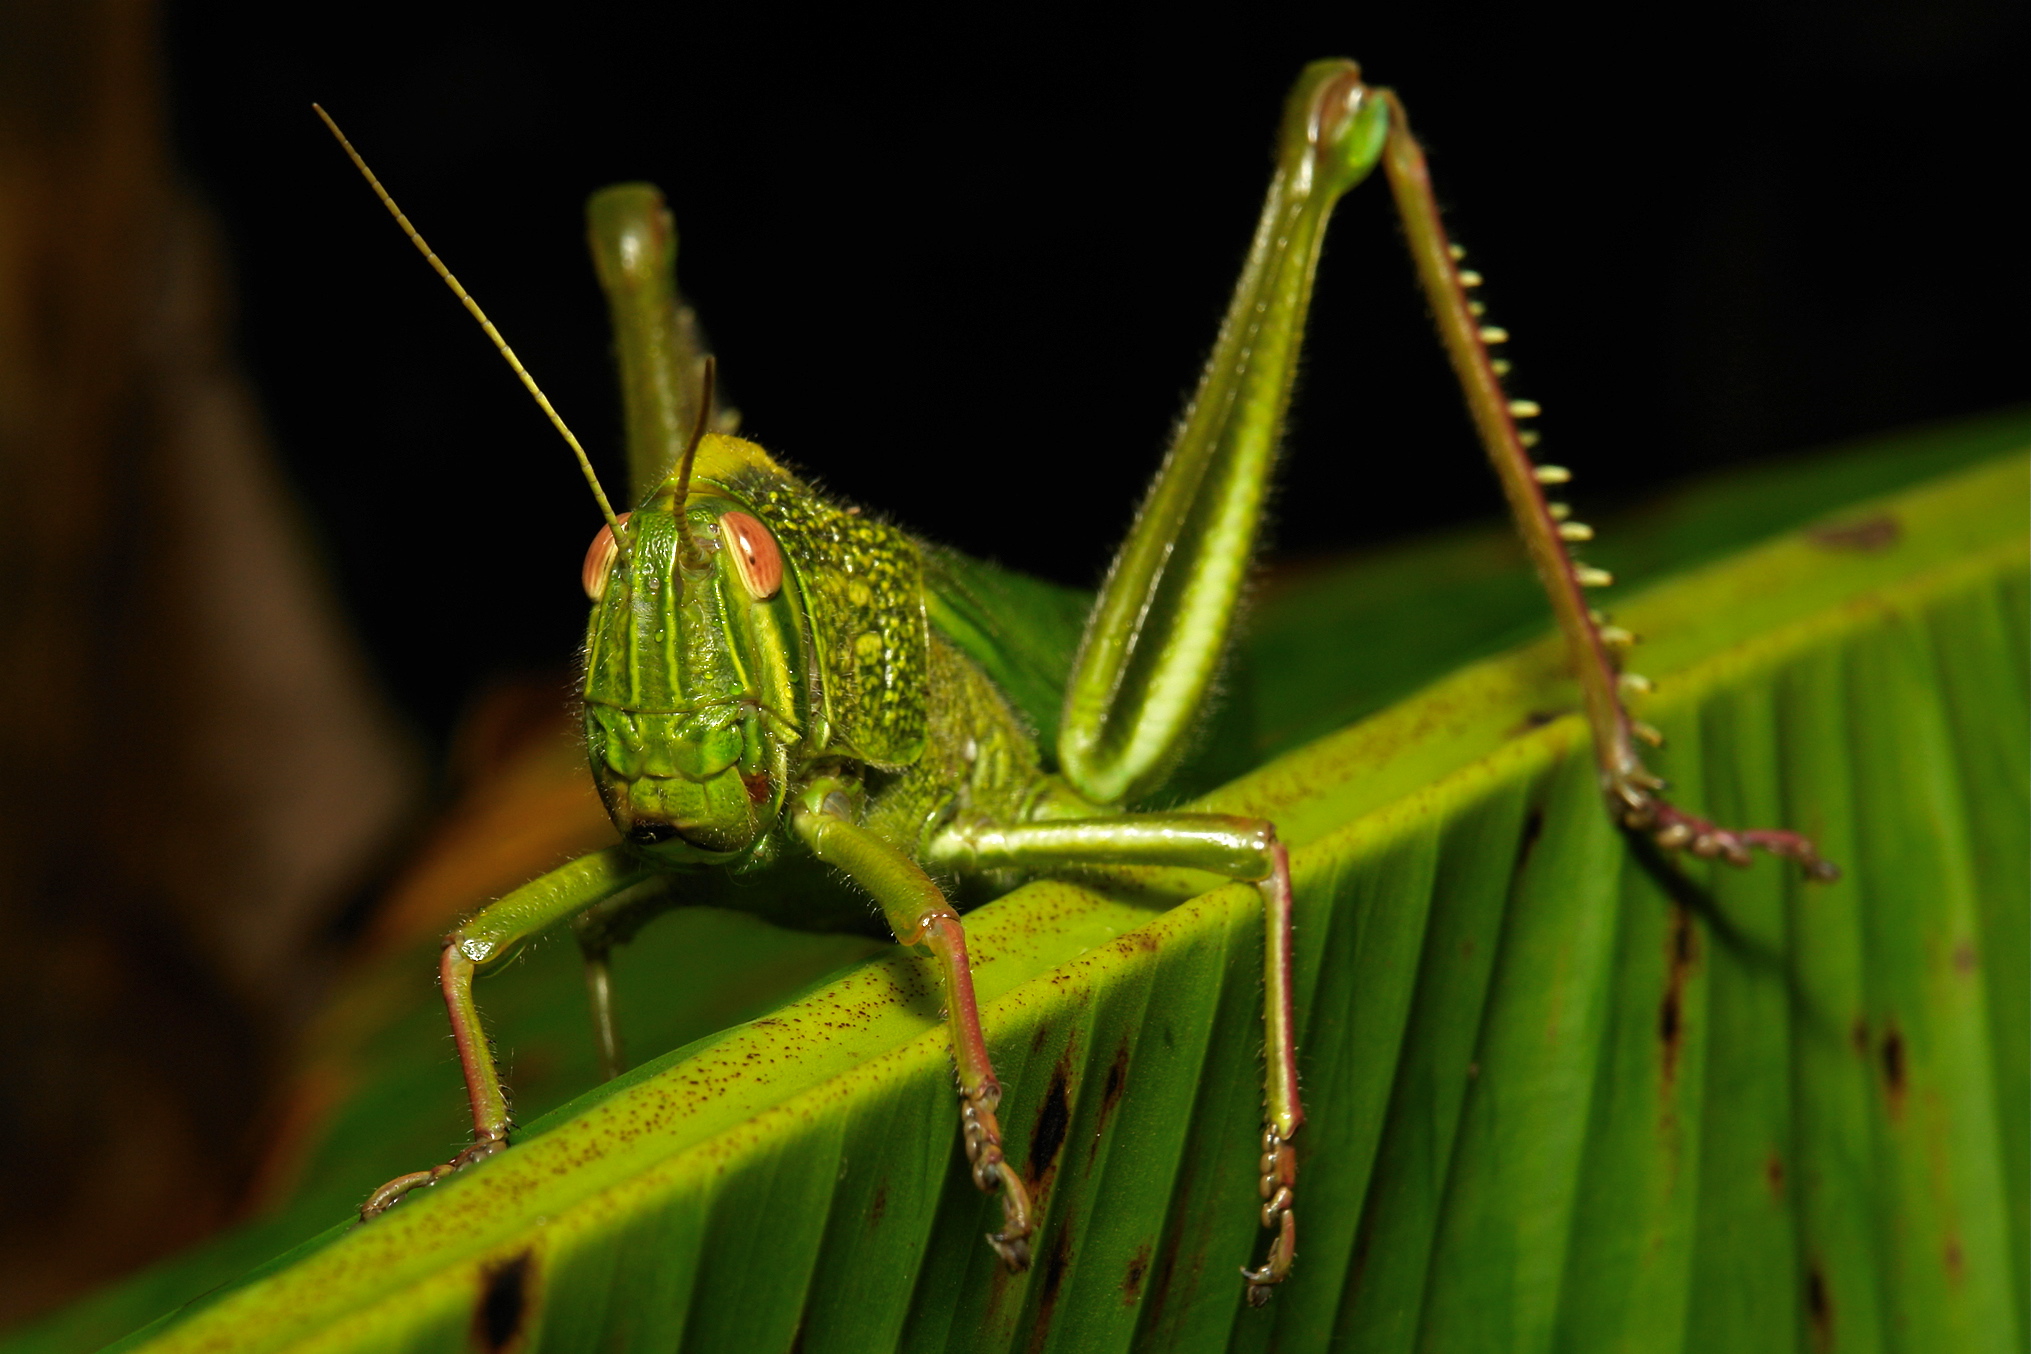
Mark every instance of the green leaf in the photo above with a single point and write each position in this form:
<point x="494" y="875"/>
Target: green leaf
<point x="1561" y="1094"/>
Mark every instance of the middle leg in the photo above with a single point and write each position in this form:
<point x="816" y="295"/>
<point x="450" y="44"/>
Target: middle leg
<point x="918" y="912"/>
<point x="1243" y="849"/>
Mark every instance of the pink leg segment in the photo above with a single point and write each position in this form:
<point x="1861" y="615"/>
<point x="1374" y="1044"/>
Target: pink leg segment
<point x="979" y="1091"/>
<point x="1284" y="1113"/>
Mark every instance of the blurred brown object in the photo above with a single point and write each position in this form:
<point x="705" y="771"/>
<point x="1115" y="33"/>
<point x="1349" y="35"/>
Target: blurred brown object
<point x="524" y="803"/>
<point x="195" y="769"/>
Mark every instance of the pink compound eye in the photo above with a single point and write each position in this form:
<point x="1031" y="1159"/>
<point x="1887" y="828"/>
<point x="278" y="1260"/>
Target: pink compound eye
<point x="755" y="556"/>
<point x="599" y="562"/>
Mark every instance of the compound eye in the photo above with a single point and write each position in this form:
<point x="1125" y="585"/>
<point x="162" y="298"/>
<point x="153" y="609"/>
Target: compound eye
<point x="599" y="562"/>
<point x="755" y="556"/>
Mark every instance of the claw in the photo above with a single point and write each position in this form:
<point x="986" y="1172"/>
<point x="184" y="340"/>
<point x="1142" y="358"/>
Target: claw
<point x="991" y="1171"/>
<point x="1262" y="1282"/>
<point x="1012" y="1242"/>
<point x="384" y="1198"/>
<point x="392" y="1193"/>
<point x="1676" y="830"/>
<point x="1278" y="1188"/>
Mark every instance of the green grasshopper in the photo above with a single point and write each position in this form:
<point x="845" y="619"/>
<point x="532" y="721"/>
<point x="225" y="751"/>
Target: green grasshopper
<point x="778" y="687"/>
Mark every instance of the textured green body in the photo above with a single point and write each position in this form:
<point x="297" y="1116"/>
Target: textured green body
<point x="862" y="668"/>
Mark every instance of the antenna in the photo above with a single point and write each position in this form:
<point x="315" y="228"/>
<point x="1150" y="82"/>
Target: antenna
<point x="542" y="400"/>
<point x="709" y="370"/>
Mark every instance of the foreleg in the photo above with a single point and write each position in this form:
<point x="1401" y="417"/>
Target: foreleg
<point x="610" y="922"/>
<point x="479" y="943"/>
<point x="597" y="949"/>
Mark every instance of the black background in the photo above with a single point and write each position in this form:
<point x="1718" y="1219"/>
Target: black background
<point x="961" y="265"/>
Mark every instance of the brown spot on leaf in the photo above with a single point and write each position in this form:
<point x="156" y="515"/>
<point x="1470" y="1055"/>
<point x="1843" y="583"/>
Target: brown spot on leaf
<point x="880" y="1205"/>
<point x="1964" y="957"/>
<point x="1117" y="1081"/>
<point x="1867" y="537"/>
<point x="1358" y="1270"/>
<point x="1819" y="1308"/>
<point x="1956" y="1260"/>
<point x="1138" y="1269"/>
<point x="1773" y="1174"/>
<point x="1533" y="828"/>
<point x="999" y="1286"/>
<point x="1110" y="1096"/>
<point x="1171" y="1276"/>
<point x="1052" y="1122"/>
<point x="1056" y="1261"/>
<point x="1858" y="1035"/>
<point x="1893" y="1068"/>
<point x="1681" y="953"/>
<point x="500" y="1319"/>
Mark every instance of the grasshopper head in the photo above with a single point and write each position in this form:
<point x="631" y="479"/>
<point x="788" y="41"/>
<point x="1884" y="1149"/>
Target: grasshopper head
<point x="689" y="702"/>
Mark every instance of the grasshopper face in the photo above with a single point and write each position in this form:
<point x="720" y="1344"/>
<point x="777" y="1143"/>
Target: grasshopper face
<point x="688" y="702"/>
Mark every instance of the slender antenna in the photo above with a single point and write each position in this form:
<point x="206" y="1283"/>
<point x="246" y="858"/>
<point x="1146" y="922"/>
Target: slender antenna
<point x="437" y="264"/>
<point x="706" y="375"/>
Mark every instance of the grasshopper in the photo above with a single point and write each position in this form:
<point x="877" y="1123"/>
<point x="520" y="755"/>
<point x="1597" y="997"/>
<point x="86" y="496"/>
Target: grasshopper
<point x="778" y="687"/>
